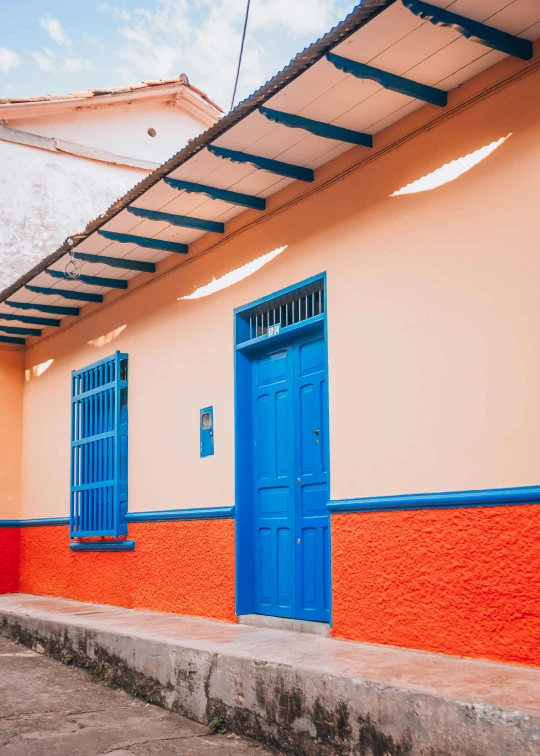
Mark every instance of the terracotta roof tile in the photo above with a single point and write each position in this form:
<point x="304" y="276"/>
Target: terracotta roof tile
<point x="183" y="79"/>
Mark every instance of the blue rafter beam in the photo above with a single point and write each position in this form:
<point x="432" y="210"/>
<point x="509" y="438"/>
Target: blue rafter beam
<point x="178" y="220"/>
<point x="11" y="340"/>
<point x="116" y="262"/>
<point x="81" y="296"/>
<point x="111" y="283"/>
<point x="318" y="128"/>
<point x="145" y="241"/>
<point x="264" y="164"/>
<point x="473" y="30"/>
<point x="20" y="331"/>
<point x="235" y="198"/>
<point x="390" y="81"/>
<point x="31" y="319"/>
<point x="49" y="309"/>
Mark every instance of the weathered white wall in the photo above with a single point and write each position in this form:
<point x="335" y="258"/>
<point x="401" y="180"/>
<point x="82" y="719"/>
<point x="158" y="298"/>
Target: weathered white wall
<point x="121" y="128"/>
<point x="45" y="197"/>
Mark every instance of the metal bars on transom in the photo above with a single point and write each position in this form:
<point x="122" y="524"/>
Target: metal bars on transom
<point x="290" y="309"/>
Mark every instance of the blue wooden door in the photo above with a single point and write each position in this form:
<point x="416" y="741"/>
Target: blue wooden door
<point x="291" y="539"/>
<point x="274" y="495"/>
<point x="311" y="470"/>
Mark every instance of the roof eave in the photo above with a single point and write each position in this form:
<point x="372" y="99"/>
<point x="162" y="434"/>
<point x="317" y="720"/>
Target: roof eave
<point x="39" y="108"/>
<point x="361" y="15"/>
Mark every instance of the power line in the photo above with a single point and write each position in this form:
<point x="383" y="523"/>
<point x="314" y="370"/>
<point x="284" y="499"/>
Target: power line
<point x="241" y="51"/>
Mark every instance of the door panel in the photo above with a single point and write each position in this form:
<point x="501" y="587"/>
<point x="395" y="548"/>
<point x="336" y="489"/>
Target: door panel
<point x="312" y="521"/>
<point x="291" y="482"/>
<point x="273" y="435"/>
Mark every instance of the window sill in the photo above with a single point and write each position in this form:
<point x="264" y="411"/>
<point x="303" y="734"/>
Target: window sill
<point x="102" y="546"/>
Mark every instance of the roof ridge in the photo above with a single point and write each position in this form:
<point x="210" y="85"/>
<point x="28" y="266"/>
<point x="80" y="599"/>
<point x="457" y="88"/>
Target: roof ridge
<point x="101" y="92"/>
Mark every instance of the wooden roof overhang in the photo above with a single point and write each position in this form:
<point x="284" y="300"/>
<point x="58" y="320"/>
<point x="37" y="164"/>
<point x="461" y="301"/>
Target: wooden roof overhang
<point x="387" y="59"/>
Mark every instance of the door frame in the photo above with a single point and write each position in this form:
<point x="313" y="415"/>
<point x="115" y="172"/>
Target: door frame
<point x="244" y="351"/>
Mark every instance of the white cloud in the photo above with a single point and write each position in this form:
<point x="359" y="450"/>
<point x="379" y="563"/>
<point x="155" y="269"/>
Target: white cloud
<point x="49" y="62"/>
<point x="54" y="29"/>
<point x="45" y="59"/>
<point x="153" y="60"/>
<point x="74" y="65"/>
<point x="8" y="59"/>
<point x="295" y="18"/>
<point x="118" y="14"/>
<point x="202" y="39"/>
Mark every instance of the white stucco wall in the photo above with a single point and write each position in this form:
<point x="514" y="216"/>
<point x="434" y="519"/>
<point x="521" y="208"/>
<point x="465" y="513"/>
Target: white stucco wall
<point x="121" y="128"/>
<point x="45" y="197"/>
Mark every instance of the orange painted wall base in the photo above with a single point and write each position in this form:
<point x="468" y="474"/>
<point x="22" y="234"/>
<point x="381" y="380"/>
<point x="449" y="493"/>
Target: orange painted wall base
<point x="185" y="567"/>
<point x="455" y="581"/>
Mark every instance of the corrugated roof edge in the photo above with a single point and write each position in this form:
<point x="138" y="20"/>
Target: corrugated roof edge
<point x="358" y="17"/>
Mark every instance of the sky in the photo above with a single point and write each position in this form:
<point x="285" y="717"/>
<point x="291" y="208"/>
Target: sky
<point x="59" y="46"/>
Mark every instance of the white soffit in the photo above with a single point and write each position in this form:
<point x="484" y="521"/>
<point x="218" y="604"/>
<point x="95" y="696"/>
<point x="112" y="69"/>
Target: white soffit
<point x="396" y="41"/>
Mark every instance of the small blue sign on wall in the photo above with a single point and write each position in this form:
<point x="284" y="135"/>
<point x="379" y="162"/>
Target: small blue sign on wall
<point x="207" y="431"/>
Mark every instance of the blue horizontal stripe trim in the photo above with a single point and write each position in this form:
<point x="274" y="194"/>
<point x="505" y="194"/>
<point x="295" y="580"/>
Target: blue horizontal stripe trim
<point x="102" y="546"/>
<point x="491" y="497"/>
<point x="29" y="523"/>
<point x="204" y="513"/>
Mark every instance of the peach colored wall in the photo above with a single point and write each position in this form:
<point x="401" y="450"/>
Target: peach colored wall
<point x="433" y="378"/>
<point x="179" y="567"/>
<point x="432" y="310"/>
<point x="11" y="412"/>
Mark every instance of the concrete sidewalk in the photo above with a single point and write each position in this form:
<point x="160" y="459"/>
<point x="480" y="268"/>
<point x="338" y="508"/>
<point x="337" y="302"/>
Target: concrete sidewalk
<point x="306" y="694"/>
<point x="47" y="709"/>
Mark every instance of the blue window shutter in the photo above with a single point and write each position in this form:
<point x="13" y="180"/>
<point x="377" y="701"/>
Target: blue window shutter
<point x="99" y="438"/>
